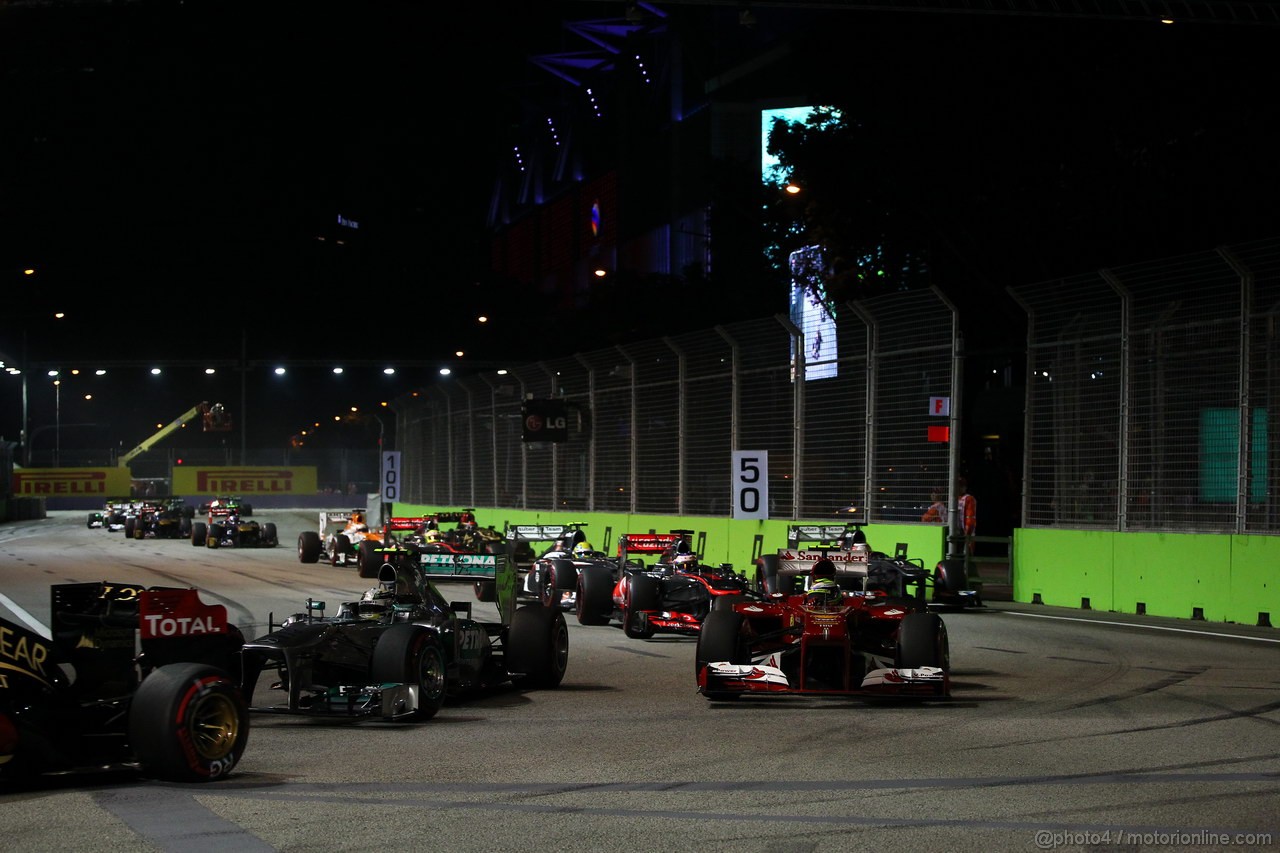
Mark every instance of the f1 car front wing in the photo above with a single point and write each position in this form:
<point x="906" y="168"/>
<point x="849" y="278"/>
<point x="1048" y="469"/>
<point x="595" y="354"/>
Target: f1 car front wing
<point x="719" y="679"/>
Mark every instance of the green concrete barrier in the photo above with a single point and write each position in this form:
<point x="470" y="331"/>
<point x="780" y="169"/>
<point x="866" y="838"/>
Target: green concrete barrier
<point x="727" y="540"/>
<point x="1214" y="577"/>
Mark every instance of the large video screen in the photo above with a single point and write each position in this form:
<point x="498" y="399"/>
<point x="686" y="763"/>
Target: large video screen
<point x="810" y="310"/>
<point x="811" y="315"/>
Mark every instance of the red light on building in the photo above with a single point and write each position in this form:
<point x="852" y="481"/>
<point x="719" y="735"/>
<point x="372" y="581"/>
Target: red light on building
<point x="940" y="433"/>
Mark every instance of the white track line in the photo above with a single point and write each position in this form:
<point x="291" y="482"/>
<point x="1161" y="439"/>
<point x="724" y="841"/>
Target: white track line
<point x="31" y="621"/>
<point x="1146" y="627"/>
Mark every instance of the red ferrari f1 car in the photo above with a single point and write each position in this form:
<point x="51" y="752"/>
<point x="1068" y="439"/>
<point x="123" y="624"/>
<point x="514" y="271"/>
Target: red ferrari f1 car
<point x="875" y="638"/>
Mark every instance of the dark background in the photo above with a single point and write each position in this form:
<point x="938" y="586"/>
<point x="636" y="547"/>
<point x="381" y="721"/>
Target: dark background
<point x="174" y="173"/>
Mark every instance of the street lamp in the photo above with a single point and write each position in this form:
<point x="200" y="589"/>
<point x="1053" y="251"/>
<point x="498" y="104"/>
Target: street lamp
<point x="57" y="421"/>
<point x="24" y="368"/>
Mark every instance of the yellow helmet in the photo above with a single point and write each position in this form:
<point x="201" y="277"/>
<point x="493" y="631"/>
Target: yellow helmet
<point x="825" y="592"/>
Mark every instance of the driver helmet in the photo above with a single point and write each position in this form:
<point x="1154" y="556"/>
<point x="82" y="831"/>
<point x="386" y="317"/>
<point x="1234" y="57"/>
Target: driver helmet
<point x="582" y="549"/>
<point x="378" y="593"/>
<point x="362" y="528"/>
<point x="825" y="592"/>
<point x="375" y="602"/>
<point x="822" y="581"/>
<point x="685" y="561"/>
<point x="432" y="536"/>
<point x="233" y="518"/>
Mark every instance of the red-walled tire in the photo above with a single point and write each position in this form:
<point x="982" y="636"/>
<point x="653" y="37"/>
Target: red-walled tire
<point x="188" y="723"/>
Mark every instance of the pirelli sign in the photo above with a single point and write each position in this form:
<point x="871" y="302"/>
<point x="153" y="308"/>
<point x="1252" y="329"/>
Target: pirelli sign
<point x="109" y="482"/>
<point x="71" y="482"/>
<point x="247" y="480"/>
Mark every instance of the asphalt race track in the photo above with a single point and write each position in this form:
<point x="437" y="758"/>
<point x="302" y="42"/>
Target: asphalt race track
<point x="1067" y="730"/>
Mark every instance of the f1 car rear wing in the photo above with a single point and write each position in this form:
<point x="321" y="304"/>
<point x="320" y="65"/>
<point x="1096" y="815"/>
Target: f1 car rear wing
<point x="98" y="628"/>
<point x="456" y="517"/>
<point x="858" y="567"/>
<point x="649" y="543"/>
<point x="336" y="516"/>
<point x="470" y="568"/>
<point x="825" y="535"/>
<point x="221" y="506"/>
<point x="404" y="524"/>
<point x="849" y="562"/>
<point x="566" y="533"/>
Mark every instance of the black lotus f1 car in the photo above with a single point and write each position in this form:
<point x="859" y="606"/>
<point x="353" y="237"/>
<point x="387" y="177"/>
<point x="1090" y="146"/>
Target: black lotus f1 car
<point x="88" y="699"/>
<point x="402" y="650"/>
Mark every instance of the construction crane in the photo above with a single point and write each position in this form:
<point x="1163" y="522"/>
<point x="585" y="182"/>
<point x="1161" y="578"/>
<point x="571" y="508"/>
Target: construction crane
<point x="214" y="418"/>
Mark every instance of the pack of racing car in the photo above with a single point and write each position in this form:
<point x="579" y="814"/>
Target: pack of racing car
<point x="168" y="518"/>
<point x="112" y="515"/>
<point x="346" y="537"/>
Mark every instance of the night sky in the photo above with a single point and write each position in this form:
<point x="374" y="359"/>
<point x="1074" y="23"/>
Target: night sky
<point x="168" y="168"/>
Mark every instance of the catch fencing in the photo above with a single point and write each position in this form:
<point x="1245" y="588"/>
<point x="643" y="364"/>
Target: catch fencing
<point x="652" y="424"/>
<point x="1148" y="398"/>
<point x="1149" y="391"/>
<point x="1149" y="395"/>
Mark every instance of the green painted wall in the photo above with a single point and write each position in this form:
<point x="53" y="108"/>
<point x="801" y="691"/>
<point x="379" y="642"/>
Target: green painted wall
<point x="728" y="541"/>
<point x="1218" y="578"/>
<point x="1063" y="567"/>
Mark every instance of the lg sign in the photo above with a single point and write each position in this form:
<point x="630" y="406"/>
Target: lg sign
<point x="544" y="420"/>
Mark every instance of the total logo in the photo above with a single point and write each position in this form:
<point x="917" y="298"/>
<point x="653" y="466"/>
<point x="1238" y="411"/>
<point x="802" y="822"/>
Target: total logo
<point x="179" y="626"/>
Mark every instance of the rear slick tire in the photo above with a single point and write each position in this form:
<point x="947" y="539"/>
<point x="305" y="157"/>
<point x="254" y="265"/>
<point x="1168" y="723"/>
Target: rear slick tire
<point x="188" y="723"/>
<point x="537" y="647"/>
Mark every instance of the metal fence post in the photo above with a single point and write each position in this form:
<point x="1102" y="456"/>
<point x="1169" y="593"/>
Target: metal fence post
<point x="1244" y="443"/>
<point x="633" y="482"/>
<point x="1122" y="481"/>
<point x="797" y="408"/>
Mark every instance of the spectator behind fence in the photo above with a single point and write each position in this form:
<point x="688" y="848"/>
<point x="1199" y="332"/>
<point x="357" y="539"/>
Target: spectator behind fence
<point x="937" y="511"/>
<point x="967" y="507"/>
